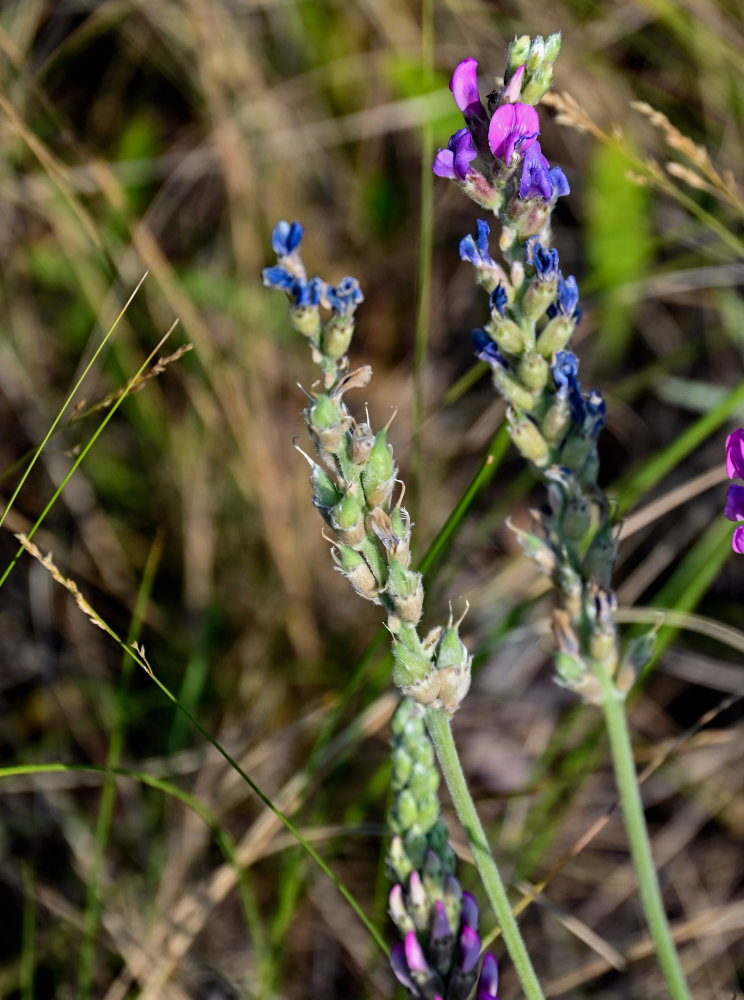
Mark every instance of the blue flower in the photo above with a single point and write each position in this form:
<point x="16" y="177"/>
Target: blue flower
<point x="286" y="238"/>
<point x="477" y="252"/>
<point x="486" y="350"/>
<point x="301" y="293"/>
<point x="454" y="161"/>
<point x="587" y="412"/>
<point x="498" y="299"/>
<point x="567" y="303"/>
<point x="545" y="262"/>
<point x="345" y="297"/>
<point x="538" y="179"/>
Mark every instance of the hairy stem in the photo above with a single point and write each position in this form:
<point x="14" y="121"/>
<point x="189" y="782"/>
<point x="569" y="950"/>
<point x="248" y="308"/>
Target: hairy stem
<point x="616" y="721"/>
<point x="438" y="724"/>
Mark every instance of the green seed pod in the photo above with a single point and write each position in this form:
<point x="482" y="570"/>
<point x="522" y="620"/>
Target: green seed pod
<point x="379" y="472"/>
<point x="325" y="493"/>
<point x="556" y="421"/>
<point x="576" y="518"/>
<point x="337" y="335"/>
<point x="305" y="319"/>
<point x="512" y="390"/>
<point x="357" y="572"/>
<point x="555" y="335"/>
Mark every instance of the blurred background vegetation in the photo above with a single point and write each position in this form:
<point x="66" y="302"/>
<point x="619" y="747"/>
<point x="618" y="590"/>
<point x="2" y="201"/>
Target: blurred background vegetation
<point x="172" y="136"/>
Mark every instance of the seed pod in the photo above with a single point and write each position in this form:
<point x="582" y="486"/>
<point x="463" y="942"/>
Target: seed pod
<point x="534" y="370"/>
<point x="337" y="335"/>
<point x="357" y="572"/>
<point x="406" y="590"/>
<point x="555" y="335"/>
<point x="347" y="520"/>
<point x="379" y="472"/>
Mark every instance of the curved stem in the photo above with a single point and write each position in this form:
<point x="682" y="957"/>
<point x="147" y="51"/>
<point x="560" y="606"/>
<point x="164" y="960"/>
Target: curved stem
<point x="616" y="721"/>
<point x="438" y="724"/>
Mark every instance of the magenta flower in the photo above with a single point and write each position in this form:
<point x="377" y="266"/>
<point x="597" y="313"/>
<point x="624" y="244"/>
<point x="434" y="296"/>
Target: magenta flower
<point x="510" y="93"/>
<point x="512" y="126"/>
<point x="454" y="161"/>
<point x="734" y="511"/>
<point x="464" y="87"/>
<point x="735" y="454"/>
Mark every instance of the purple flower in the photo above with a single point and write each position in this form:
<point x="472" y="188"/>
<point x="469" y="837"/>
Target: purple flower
<point x="510" y="93"/>
<point x="469" y="949"/>
<point x="734" y="511"/>
<point x="512" y="126"/>
<point x="286" y="238"/>
<point x="538" y="179"/>
<point x="735" y="454"/>
<point x="454" y="161"/>
<point x="464" y="87"/>
<point x="489" y="979"/>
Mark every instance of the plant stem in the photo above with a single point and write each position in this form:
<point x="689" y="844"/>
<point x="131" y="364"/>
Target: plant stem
<point x="613" y="705"/>
<point x="438" y="724"/>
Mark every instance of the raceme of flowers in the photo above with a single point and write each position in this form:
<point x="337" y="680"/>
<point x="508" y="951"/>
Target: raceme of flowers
<point x="734" y="509"/>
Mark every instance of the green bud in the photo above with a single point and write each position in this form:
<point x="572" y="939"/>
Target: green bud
<point x="423" y="753"/>
<point x="404" y="814"/>
<point x="555" y="335"/>
<point x="538" y="86"/>
<point x="570" y="668"/>
<point x="536" y="549"/>
<point x="410" y="661"/>
<point x="538" y="297"/>
<point x="599" y="560"/>
<point x="398" y="862"/>
<point x="535" y="56"/>
<point x="512" y="390"/>
<point x="406" y="590"/>
<point x="325" y="492"/>
<point x="576" y="518"/>
<point x="402" y="769"/>
<point x="506" y="334"/>
<point x="516" y="54"/>
<point x="528" y="439"/>
<point x="423" y="780"/>
<point x="347" y="520"/>
<point x="534" y="370"/>
<point x="552" y="47"/>
<point x="556" y="421"/>
<point x="416" y="846"/>
<point x="357" y="572"/>
<point x="305" y="319"/>
<point x="428" y="811"/>
<point x="337" y="335"/>
<point x="639" y="652"/>
<point x="379" y="472"/>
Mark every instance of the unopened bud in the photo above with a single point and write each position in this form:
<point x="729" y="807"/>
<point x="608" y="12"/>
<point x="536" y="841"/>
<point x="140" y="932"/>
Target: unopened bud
<point x="534" y="370"/>
<point x="528" y="439"/>
<point x="406" y="590"/>
<point x="399" y="863"/>
<point x="325" y="492"/>
<point x="537" y="298"/>
<point x="398" y="912"/>
<point x="536" y="55"/>
<point x="516" y="54"/>
<point x="378" y="476"/>
<point x="507" y="335"/>
<point x="555" y="335"/>
<point x="347" y="520"/>
<point x="411" y="663"/>
<point x="552" y="47"/>
<point x="512" y="390"/>
<point x="357" y="572"/>
<point x="576" y="518"/>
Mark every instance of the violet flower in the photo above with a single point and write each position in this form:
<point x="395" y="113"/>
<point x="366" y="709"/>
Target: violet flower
<point x="545" y="262"/>
<point x="477" y="251"/>
<point x="735" y="454"/>
<point x="567" y="302"/>
<point x="489" y="979"/>
<point x="734" y="511"/>
<point x="454" y="161"/>
<point x="539" y="180"/>
<point x="486" y="350"/>
<point x="464" y="87"/>
<point x="513" y="126"/>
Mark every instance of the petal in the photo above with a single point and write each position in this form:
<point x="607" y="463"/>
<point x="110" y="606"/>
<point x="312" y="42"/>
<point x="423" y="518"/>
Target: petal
<point x="735" y="454"/>
<point x="464" y="84"/>
<point x="444" y="164"/>
<point x="510" y="124"/>
<point x="737" y="542"/>
<point x="734" y="509"/>
<point x="489" y="979"/>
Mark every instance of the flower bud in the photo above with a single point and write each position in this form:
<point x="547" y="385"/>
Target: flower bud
<point x="516" y="55"/>
<point x="423" y="780"/>
<point x="536" y="549"/>
<point x="555" y="335"/>
<point x="507" y="335"/>
<point x="406" y="590"/>
<point x="576" y="518"/>
<point x="410" y="661"/>
<point x="639" y="652"/>
<point x="527" y="438"/>
<point x="325" y="492"/>
<point x="537" y="298"/>
<point x="379" y="472"/>
<point x="599" y="560"/>
<point x="552" y="47"/>
<point x="397" y="909"/>
<point x="453" y="666"/>
<point x="402" y="768"/>
<point x="534" y="371"/>
<point x="442" y="942"/>
<point x="536" y="55"/>
<point x="357" y="572"/>
<point x="418" y="902"/>
<point x="512" y="389"/>
<point x="398" y="861"/>
<point x="556" y="421"/>
<point x="347" y="520"/>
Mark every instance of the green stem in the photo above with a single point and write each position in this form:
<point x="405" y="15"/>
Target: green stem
<point x="438" y="724"/>
<point x="616" y="721"/>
